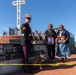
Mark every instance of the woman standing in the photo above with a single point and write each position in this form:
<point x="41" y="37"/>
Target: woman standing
<point x="50" y="35"/>
<point x="63" y="43"/>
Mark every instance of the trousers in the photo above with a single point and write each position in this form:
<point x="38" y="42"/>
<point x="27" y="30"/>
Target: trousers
<point x="26" y="53"/>
<point x="51" y="51"/>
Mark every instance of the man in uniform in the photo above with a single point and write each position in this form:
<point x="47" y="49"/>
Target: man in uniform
<point x="26" y="41"/>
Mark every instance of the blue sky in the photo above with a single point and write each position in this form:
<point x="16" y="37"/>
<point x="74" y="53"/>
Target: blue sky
<point x="43" y="13"/>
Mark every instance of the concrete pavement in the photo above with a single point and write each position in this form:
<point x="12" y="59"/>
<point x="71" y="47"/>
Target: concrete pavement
<point x="64" y="68"/>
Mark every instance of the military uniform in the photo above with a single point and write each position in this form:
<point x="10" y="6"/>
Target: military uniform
<point x="26" y="41"/>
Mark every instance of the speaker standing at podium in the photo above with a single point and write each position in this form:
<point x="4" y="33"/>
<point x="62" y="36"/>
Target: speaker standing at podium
<point x="26" y="41"/>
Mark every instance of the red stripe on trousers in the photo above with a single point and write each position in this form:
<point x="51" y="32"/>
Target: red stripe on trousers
<point x="25" y="62"/>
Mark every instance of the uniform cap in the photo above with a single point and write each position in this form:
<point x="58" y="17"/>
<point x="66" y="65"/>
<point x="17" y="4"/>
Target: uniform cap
<point x="27" y="16"/>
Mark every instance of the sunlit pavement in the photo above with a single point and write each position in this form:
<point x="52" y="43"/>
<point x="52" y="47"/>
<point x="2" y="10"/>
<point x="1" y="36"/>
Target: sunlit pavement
<point x="64" y="68"/>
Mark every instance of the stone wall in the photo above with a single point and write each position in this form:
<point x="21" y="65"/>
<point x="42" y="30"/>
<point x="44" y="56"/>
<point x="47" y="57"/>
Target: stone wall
<point x="6" y="39"/>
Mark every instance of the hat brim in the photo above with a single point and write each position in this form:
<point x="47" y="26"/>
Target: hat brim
<point x="28" y="18"/>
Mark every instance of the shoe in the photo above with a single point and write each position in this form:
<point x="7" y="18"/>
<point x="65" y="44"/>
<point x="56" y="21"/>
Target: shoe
<point x="65" y="59"/>
<point x="41" y="68"/>
<point x="62" y="59"/>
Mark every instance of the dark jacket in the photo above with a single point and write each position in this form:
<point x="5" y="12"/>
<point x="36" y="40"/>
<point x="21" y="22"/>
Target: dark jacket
<point x="27" y="38"/>
<point x="64" y="33"/>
